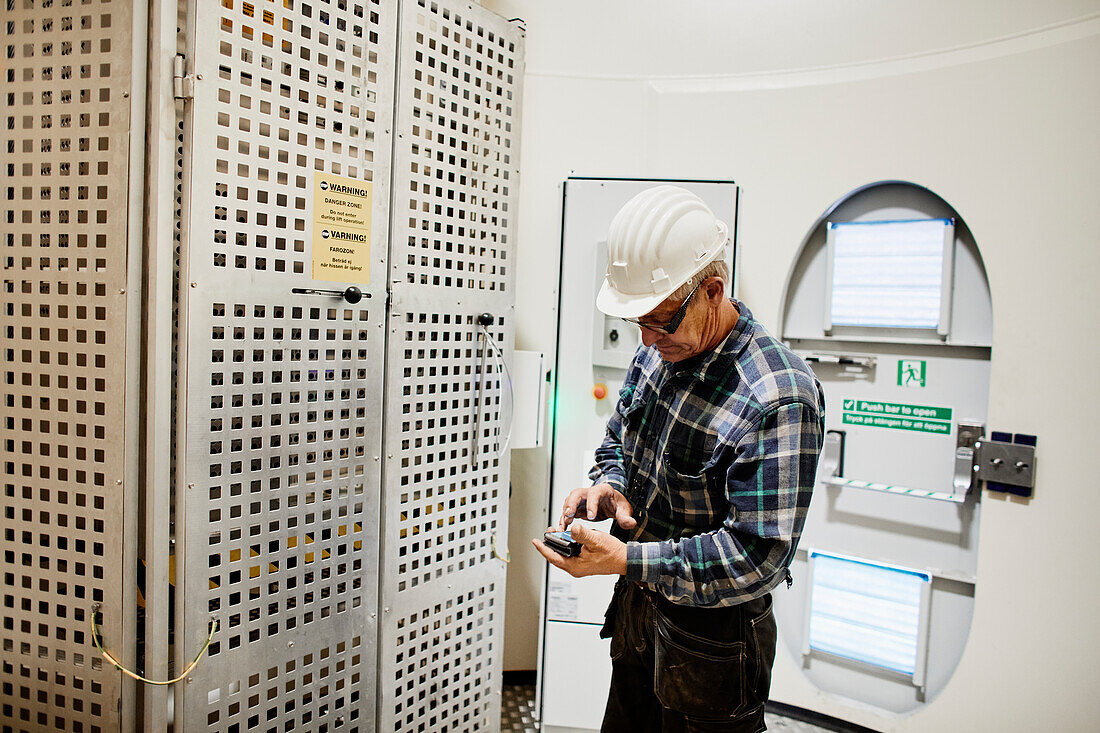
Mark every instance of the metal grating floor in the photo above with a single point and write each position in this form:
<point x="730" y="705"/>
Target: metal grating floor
<point x="517" y="709"/>
<point x="517" y="714"/>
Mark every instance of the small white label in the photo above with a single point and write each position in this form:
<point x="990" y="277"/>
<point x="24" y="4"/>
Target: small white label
<point x="562" y="602"/>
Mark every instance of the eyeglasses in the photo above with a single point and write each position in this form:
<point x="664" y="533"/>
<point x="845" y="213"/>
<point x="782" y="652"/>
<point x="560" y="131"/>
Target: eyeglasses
<point x="674" y="322"/>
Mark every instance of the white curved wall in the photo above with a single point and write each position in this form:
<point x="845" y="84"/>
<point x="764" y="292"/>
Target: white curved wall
<point x="992" y="105"/>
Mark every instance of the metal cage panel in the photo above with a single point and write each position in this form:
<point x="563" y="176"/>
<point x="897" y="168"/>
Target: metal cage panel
<point x="66" y="112"/>
<point x="278" y="448"/>
<point x="457" y="176"/>
<point x="445" y="522"/>
<point x="446" y="663"/>
<point x="280" y="396"/>
<point x="448" y="503"/>
<point x="446" y="476"/>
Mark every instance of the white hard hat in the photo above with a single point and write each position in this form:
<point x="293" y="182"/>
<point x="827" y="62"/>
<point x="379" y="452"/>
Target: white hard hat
<point x="657" y="241"/>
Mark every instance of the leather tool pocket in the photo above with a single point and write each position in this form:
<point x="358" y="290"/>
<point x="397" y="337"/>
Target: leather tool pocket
<point x="696" y="676"/>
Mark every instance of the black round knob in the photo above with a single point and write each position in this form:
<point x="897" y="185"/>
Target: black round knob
<point x="613" y="335"/>
<point x="485" y="319"/>
<point x="353" y="294"/>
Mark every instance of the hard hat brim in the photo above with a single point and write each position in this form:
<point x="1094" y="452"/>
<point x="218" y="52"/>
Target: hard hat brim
<point x="621" y="305"/>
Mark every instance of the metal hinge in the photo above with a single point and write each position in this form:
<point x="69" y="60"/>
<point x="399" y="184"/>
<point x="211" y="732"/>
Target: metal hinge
<point x="183" y="84"/>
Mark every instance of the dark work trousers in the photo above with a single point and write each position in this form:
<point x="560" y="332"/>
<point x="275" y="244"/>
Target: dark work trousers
<point x="684" y="668"/>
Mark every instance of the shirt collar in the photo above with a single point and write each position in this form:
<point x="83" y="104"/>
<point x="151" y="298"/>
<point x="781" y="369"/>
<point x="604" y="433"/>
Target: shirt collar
<point x="715" y="364"/>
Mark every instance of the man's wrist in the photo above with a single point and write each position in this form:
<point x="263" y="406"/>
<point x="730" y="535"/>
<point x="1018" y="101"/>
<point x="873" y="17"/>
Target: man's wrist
<point x="615" y="482"/>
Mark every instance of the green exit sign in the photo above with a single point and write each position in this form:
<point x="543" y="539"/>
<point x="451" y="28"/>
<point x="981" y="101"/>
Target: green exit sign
<point x="912" y="372"/>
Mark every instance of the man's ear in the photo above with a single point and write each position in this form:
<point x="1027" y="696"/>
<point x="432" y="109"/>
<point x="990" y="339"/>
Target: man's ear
<point x="715" y="289"/>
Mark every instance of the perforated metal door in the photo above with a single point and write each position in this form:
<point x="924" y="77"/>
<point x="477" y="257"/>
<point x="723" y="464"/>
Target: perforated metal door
<point x="66" y="113"/>
<point x="446" y="488"/>
<point x="282" y="391"/>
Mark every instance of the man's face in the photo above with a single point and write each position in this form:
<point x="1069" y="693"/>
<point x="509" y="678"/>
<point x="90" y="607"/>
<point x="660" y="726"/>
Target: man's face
<point x="689" y="338"/>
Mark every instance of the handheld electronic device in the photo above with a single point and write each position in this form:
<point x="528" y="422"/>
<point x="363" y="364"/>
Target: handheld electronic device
<point x="562" y="543"/>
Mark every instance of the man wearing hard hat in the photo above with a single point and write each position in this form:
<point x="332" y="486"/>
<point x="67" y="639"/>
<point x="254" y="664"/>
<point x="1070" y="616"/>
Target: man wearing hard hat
<point x="707" y="469"/>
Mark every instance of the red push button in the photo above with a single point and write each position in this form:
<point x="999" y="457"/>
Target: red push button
<point x="599" y="391"/>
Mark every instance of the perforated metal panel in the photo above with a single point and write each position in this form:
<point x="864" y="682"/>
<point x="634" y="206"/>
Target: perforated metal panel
<point x="281" y="391"/>
<point x="66" y="83"/>
<point x="446" y="487"/>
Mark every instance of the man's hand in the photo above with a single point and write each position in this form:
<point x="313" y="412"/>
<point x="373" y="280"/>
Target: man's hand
<point x="601" y="554"/>
<point x="597" y="502"/>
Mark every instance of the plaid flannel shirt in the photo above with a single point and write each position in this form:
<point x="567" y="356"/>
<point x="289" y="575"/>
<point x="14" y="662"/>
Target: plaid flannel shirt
<point x="717" y="456"/>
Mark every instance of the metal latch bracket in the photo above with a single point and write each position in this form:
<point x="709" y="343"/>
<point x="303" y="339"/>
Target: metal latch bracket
<point x="1006" y="463"/>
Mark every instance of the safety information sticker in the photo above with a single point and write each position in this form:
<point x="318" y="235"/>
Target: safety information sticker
<point x="897" y="416"/>
<point x="341" y="228"/>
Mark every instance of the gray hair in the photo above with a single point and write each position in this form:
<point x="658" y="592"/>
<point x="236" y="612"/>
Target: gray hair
<point x="718" y="268"/>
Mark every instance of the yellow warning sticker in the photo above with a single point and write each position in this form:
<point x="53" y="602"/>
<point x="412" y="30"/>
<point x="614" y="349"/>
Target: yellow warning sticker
<point x="341" y="229"/>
